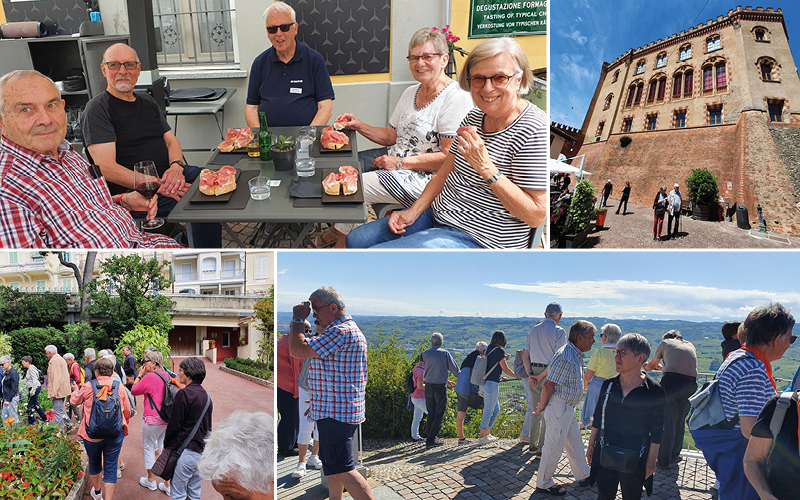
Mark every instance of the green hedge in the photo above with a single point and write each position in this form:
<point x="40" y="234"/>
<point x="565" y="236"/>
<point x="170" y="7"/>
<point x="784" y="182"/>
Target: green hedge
<point x="250" y="367"/>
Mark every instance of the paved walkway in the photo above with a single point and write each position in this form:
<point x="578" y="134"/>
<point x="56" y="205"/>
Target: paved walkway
<point x="228" y="393"/>
<point x="635" y="230"/>
<point x="503" y="470"/>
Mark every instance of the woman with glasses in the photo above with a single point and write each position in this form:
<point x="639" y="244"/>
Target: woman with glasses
<point x="629" y="417"/>
<point x="150" y="384"/>
<point x="601" y="366"/>
<point x="492" y="188"/>
<point x="420" y="131"/>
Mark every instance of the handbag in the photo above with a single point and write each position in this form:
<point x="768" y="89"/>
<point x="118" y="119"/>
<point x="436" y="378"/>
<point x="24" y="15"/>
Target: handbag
<point x="475" y="400"/>
<point x="614" y="457"/>
<point x="519" y="365"/>
<point x="166" y="462"/>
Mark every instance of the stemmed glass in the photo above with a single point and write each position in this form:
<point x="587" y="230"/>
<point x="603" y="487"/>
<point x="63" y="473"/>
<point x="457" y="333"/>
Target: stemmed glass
<point x="147" y="183"/>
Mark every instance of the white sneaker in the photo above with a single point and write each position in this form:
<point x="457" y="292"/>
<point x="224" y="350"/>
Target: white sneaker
<point x="98" y="496"/>
<point x="163" y="487"/>
<point x="151" y="485"/>
<point x="492" y="438"/>
<point x="487" y="439"/>
<point x="314" y="462"/>
<point x="300" y="471"/>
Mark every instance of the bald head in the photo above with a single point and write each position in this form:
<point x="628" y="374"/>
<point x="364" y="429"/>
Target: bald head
<point x="121" y="68"/>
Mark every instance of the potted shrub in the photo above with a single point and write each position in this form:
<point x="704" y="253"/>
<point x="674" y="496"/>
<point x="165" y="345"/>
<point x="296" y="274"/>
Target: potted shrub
<point x="283" y="153"/>
<point x="600" y="216"/>
<point x="703" y="192"/>
<point x="579" y="216"/>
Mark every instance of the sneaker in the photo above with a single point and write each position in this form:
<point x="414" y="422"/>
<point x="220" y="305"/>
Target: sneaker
<point x="435" y="443"/>
<point x="464" y="441"/>
<point x="151" y="485"/>
<point x="487" y="439"/>
<point x="314" y="463"/>
<point x="417" y="440"/>
<point x="96" y="496"/>
<point x="524" y="439"/>
<point x="300" y="471"/>
<point x="163" y="487"/>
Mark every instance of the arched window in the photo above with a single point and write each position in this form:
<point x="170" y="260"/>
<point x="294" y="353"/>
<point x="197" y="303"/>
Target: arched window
<point x="608" y="101"/>
<point x="761" y="34"/>
<point x="616" y="76"/>
<point x="688" y="80"/>
<point x="639" y="89"/>
<point x="715" y="75"/>
<point x="713" y="43"/>
<point x="708" y="78"/>
<point x="686" y="52"/>
<point x="769" y="69"/>
<point x="635" y="93"/>
<point x="661" y="60"/>
<point x="657" y="88"/>
<point x="677" y="85"/>
<point x="766" y="70"/>
<point x="640" y="67"/>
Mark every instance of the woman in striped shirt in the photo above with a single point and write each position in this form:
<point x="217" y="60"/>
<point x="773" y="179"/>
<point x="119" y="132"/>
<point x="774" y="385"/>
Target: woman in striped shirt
<point x="492" y="188"/>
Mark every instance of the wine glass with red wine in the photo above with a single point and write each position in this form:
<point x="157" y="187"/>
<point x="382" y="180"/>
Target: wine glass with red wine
<point x="147" y="183"/>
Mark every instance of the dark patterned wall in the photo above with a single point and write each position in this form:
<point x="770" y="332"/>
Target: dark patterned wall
<point x="352" y="35"/>
<point x="65" y="15"/>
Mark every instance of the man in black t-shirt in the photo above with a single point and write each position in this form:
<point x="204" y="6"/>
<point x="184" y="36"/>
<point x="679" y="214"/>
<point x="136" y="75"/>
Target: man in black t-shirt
<point x="784" y="464"/>
<point x="122" y="127"/>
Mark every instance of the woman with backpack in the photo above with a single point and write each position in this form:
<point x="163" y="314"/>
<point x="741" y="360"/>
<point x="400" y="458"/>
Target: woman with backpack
<point x="495" y="362"/>
<point x="102" y="443"/>
<point x="151" y="383"/>
<point x="33" y="382"/>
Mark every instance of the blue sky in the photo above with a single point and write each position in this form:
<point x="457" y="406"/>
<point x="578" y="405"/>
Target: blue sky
<point x="585" y="34"/>
<point x="694" y="286"/>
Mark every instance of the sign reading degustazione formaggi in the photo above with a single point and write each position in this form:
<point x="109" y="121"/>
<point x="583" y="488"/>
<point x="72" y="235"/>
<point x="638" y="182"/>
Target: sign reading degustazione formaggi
<point x="489" y="18"/>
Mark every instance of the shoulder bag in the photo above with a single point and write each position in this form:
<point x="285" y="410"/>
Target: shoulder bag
<point x="519" y="365"/>
<point x="613" y="457"/>
<point x="165" y="465"/>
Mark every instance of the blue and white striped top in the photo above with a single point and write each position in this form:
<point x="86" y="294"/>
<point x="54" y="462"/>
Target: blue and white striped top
<point x="745" y="386"/>
<point x="468" y="203"/>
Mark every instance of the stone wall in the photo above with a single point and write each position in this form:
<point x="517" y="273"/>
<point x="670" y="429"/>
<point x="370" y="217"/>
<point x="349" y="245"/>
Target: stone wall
<point x="787" y="140"/>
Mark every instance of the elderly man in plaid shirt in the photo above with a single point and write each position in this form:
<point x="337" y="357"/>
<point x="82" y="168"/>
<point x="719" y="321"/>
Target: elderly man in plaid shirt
<point x="561" y="393"/>
<point x="49" y="197"/>
<point x="337" y="380"/>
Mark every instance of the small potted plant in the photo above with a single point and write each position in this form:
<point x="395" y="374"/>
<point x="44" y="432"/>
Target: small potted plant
<point x="600" y="216"/>
<point x="581" y="211"/>
<point x="283" y="153"/>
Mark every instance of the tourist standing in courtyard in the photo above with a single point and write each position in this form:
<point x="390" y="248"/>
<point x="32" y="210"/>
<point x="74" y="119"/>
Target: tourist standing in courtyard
<point x="495" y="364"/>
<point x="674" y="208"/>
<point x="338" y="367"/>
<point x="745" y="385"/>
<point x="562" y="391"/>
<point x="659" y="208"/>
<point x="57" y="383"/>
<point x="34" y="387"/>
<point x="10" y="386"/>
<point x="626" y="193"/>
<point x="607" y="189"/>
<point x="541" y="344"/>
<point x="438" y="362"/>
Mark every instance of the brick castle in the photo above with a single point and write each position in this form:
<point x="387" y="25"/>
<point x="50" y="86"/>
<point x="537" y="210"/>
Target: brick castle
<point x="724" y="95"/>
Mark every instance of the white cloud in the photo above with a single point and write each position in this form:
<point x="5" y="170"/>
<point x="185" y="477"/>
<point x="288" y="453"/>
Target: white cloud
<point x="282" y="271"/>
<point x="577" y="37"/>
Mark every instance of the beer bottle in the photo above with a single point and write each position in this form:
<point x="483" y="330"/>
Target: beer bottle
<point x="264" y="137"/>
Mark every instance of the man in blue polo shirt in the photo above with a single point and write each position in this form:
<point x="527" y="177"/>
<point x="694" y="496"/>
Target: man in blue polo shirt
<point x="289" y="81"/>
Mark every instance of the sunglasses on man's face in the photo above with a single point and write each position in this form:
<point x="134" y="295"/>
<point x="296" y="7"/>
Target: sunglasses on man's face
<point x="284" y="28"/>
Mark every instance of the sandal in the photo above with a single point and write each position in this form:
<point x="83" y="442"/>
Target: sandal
<point x="554" y="491"/>
<point x="326" y="239"/>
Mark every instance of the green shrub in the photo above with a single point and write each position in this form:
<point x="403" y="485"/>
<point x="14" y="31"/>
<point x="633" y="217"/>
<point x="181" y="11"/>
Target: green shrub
<point x="250" y="366"/>
<point x="142" y="337"/>
<point x="581" y="210"/>
<point x="624" y="141"/>
<point x="703" y="187"/>
<point x="386" y="396"/>
<point x="32" y="341"/>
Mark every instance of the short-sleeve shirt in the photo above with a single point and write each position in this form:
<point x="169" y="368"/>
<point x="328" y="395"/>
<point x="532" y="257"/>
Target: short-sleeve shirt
<point x="338" y="379"/>
<point x="602" y="363"/>
<point x="468" y="203"/>
<point x="785" y="461"/>
<point x="417" y="374"/>
<point x="496" y="353"/>
<point x="419" y="131"/>
<point x="544" y="340"/>
<point x="679" y="356"/>
<point x="566" y="371"/>
<point x="289" y="92"/>
<point x="745" y="386"/>
<point x="136" y="127"/>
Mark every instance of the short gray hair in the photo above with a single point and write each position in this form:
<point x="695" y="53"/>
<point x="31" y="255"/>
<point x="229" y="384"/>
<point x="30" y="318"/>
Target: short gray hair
<point x="581" y="327"/>
<point x="155" y="356"/>
<point x="425" y="35"/>
<point x="89" y="353"/>
<point x="672" y="334"/>
<point x="103" y="353"/>
<point x="495" y="46"/>
<point x="51" y="349"/>
<point x="238" y="449"/>
<point x="636" y="343"/>
<point x="15" y="75"/>
<point x="437" y="339"/>
<point x="481" y="346"/>
<point x="612" y="332"/>
<point x="279" y="6"/>
<point x="5" y="359"/>
<point x="69" y="357"/>
<point x="327" y="295"/>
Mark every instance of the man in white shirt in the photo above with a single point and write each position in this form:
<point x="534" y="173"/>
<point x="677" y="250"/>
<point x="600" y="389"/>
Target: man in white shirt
<point x="674" y="208"/>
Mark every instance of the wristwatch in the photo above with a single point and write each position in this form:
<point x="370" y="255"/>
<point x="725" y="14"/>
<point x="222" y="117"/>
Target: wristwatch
<point x="298" y="320"/>
<point x="399" y="164"/>
<point x="491" y="180"/>
<point x="179" y="162"/>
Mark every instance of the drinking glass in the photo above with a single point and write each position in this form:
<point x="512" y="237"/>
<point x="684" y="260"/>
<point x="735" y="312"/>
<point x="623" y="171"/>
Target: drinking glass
<point x="147" y="183"/>
<point x="259" y="187"/>
<point x="306" y="167"/>
<point x="252" y="148"/>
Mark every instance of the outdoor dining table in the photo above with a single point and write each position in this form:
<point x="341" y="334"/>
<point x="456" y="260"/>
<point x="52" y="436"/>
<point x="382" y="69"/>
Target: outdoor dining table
<point x="288" y="216"/>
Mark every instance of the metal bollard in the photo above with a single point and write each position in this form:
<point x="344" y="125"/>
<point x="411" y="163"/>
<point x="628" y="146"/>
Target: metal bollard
<point x="762" y="226"/>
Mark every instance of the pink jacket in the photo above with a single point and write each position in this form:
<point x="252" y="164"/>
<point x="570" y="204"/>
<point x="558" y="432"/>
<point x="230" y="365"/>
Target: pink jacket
<point x="153" y="385"/>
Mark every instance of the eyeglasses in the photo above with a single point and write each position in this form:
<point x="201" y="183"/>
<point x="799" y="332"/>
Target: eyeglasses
<point x="497" y="80"/>
<point x="284" y="28"/>
<point x="792" y="339"/>
<point x="129" y="65"/>
<point x="316" y="309"/>
<point x="621" y="352"/>
<point x="427" y="57"/>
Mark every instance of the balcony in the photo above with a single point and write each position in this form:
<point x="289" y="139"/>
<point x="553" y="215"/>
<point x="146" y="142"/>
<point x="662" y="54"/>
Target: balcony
<point x="223" y="274"/>
<point x="190" y="276"/>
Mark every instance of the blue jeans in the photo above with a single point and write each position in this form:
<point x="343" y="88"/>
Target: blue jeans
<point x="187" y="479"/>
<point x="425" y="232"/>
<point x="206" y="234"/>
<point x="419" y="409"/>
<point x="491" y="404"/>
<point x="10" y="409"/>
<point x="103" y="456"/>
